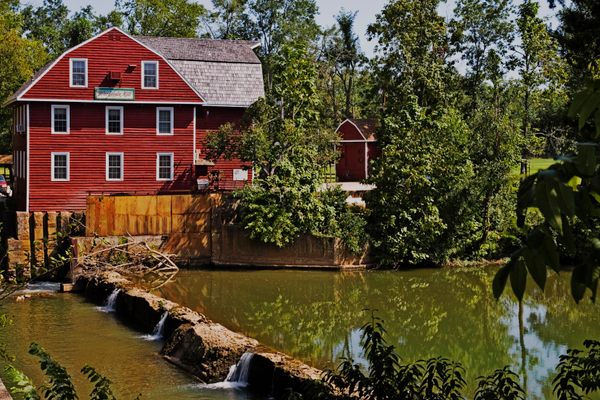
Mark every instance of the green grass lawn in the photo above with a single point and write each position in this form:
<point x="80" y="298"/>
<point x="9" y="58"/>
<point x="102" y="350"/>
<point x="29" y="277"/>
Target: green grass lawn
<point x="535" y="164"/>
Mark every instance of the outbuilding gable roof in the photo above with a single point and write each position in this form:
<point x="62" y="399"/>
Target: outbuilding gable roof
<point x="366" y="127"/>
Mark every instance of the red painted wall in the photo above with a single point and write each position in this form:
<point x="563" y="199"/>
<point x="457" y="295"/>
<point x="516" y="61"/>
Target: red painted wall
<point x="209" y="120"/>
<point x="351" y="166"/>
<point x="88" y="144"/>
<point x="348" y="131"/>
<point x="113" y="51"/>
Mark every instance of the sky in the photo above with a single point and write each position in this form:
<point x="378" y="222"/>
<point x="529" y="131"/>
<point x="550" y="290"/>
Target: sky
<point x="367" y="10"/>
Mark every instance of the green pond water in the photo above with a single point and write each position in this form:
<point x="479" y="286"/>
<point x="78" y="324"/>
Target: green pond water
<point x="317" y="316"/>
<point x="76" y="333"/>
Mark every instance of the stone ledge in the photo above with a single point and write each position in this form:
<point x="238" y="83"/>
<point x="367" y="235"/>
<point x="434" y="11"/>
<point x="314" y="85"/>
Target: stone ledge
<point x="4" y="394"/>
<point x="204" y="348"/>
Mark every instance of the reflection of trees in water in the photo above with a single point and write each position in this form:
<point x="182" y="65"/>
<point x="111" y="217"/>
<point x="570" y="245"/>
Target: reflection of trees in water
<point x="450" y="312"/>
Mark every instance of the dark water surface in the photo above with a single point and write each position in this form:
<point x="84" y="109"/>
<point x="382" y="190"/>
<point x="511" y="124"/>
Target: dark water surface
<point x="316" y="316"/>
<point x="75" y="333"/>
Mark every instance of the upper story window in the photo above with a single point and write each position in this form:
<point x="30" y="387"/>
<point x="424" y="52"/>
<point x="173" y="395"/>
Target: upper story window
<point x="114" y="166"/>
<point x="60" y="166"/>
<point x="164" y="120"/>
<point x="61" y="119"/>
<point x="149" y="74"/>
<point x="164" y="166"/>
<point x="114" y="120"/>
<point x="79" y="72"/>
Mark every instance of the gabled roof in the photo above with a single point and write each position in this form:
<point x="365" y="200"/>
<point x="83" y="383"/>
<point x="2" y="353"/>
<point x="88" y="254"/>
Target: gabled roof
<point x="366" y="127"/>
<point x="212" y="50"/>
<point x="222" y="72"/>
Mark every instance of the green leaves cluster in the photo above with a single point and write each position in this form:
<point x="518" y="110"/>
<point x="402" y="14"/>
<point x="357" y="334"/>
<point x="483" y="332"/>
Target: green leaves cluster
<point x="60" y="385"/>
<point x="566" y="194"/>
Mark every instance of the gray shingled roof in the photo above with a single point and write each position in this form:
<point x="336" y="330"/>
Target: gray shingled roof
<point x="194" y="49"/>
<point x="224" y="72"/>
<point x="218" y="83"/>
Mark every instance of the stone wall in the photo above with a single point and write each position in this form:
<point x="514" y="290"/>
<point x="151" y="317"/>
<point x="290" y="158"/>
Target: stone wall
<point x="232" y="246"/>
<point x="36" y="240"/>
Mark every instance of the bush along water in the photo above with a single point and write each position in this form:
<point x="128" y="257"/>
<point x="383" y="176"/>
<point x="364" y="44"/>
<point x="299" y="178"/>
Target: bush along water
<point x="388" y="378"/>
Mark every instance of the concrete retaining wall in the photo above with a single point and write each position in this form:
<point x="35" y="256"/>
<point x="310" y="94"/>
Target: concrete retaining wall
<point x="202" y="347"/>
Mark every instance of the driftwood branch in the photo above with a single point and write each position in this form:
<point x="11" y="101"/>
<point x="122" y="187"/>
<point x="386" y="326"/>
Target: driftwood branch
<point x="135" y="260"/>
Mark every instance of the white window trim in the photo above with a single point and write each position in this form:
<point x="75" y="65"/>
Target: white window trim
<point x="68" y="166"/>
<point x="122" y="155"/>
<point x="71" y="72"/>
<point x="172" y="155"/>
<point x="55" y="106"/>
<point x="158" y="110"/>
<point x="144" y="75"/>
<point x="106" y="113"/>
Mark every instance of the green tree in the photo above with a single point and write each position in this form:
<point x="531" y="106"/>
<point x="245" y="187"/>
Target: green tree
<point x="51" y="24"/>
<point x="229" y="19"/>
<point x="567" y="193"/>
<point x="342" y="53"/>
<point x="19" y="59"/>
<point x="481" y="34"/>
<point x="542" y="73"/>
<point x="288" y="148"/>
<point x="169" y="18"/>
<point x="281" y="22"/>
<point x="579" y="37"/>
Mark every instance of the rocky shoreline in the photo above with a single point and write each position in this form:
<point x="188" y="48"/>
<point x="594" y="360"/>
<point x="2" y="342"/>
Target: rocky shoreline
<point x="203" y="348"/>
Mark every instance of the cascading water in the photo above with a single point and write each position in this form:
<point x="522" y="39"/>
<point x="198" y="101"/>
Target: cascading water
<point x="157" y="333"/>
<point x="240" y="372"/>
<point x="109" y="305"/>
<point x="237" y="377"/>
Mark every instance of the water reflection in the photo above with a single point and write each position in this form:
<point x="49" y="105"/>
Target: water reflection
<point x="317" y="316"/>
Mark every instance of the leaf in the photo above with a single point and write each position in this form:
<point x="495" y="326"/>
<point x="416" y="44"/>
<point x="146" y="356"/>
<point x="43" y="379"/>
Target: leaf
<point x="500" y="279"/>
<point x="546" y="201"/>
<point x="536" y="266"/>
<point x="551" y="253"/>
<point x="586" y="158"/>
<point x="518" y="279"/>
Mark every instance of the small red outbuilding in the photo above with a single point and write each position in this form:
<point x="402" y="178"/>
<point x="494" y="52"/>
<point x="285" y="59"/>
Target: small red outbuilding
<point x="358" y="146"/>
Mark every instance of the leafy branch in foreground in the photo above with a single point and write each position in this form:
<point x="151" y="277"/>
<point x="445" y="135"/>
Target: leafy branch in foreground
<point x="60" y="385"/>
<point x="566" y="194"/>
<point x="385" y="377"/>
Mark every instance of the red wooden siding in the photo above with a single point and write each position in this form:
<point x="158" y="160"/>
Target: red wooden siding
<point x="209" y="120"/>
<point x="112" y="52"/>
<point x="88" y="144"/>
<point x="351" y="165"/>
<point x="356" y="155"/>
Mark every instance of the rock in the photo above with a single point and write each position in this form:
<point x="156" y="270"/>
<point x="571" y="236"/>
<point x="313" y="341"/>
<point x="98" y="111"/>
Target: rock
<point x="206" y="349"/>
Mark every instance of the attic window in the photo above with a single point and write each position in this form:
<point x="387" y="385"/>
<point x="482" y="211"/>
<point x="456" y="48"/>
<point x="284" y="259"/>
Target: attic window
<point x="149" y="74"/>
<point x="79" y="69"/>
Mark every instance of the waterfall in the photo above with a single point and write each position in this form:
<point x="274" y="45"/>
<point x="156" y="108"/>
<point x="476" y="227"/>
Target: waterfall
<point x="109" y="304"/>
<point x="240" y="372"/>
<point x="158" y="331"/>
<point x="237" y="377"/>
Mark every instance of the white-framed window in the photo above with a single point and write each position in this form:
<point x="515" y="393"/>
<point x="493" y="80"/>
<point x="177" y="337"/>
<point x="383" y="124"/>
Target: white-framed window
<point x="114" y="120"/>
<point x="60" y="167"/>
<point x="61" y="119"/>
<point x="149" y="74"/>
<point x="164" y="166"/>
<point x="78" y="72"/>
<point x="164" y="120"/>
<point x="114" y="166"/>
